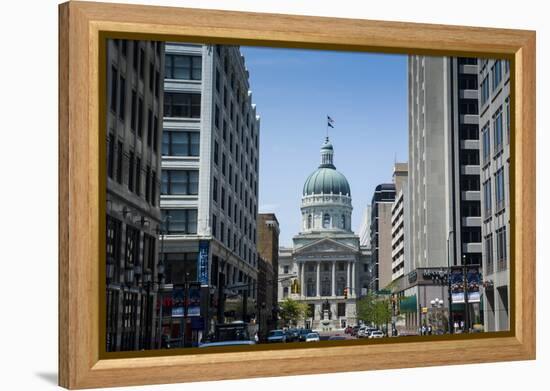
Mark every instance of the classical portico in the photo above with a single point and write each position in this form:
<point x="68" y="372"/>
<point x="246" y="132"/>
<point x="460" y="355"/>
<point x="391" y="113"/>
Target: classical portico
<point x="326" y="251"/>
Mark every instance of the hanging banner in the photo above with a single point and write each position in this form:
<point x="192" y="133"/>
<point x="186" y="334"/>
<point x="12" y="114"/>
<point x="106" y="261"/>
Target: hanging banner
<point x="474" y="279"/>
<point x="194" y="302"/>
<point x="457" y="286"/>
<point x="202" y="262"/>
<point x="178" y="301"/>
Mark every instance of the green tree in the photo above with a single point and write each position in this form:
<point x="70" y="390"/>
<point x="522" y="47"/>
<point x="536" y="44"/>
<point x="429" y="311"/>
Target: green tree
<point x="374" y="309"/>
<point x="292" y="311"/>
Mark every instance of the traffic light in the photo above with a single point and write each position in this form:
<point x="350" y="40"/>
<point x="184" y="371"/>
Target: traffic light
<point x="345" y="293"/>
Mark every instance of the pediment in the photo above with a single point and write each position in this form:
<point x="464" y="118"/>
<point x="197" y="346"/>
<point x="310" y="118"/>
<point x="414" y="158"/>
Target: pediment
<point x="326" y="246"/>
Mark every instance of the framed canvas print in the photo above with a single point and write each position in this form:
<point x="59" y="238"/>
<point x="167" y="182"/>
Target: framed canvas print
<point x="207" y="218"/>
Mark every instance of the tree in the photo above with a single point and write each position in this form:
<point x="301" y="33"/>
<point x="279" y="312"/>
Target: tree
<point x="374" y="309"/>
<point x="292" y="311"/>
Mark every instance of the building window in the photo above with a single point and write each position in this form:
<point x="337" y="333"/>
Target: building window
<point x="486" y="143"/>
<point x="140" y="117"/>
<point x="122" y="99"/>
<point x="217" y="117"/>
<point x="341" y="309"/>
<point x="180" y="182"/>
<point x="149" y="252"/>
<point x="180" y="221"/>
<point x="132" y="247"/>
<point x="489" y="253"/>
<point x="326" y="220"/>
<point x="183" y="67"/>
<point x="110" y="155"/>
<point x="216" y="152"/>
<point x="131" y="171"/>
<point x="148" y="184"/>
<point x="114" y="236"/>
<point x="215" y="189"/>
<point x="149" y="127"/>
<point x="325" y="287"/>
<point x="114" y="88"/>
<point x="285" y="292"/>
<point x="285" y="269"/>
<point x="138" y="176"/>
<point x="155" y="134"/>
<point x="508" y="120"/>
<point x="309" y="221"/>
<point x="223" y="198"/>
<point x="153" y="188"/>
<point x="496" y="74"/>
<point x="484" y="90"/>
<point x="181" y="267"/>
<point x="176" y="143"/>
<point x="120" y="160"/>
<point x="223" y="163"/>
<point x="343" y="221"/>
<point x="182" y="105"/>
<point x="310" y="287"/>
<point x="497" y="126"/>
<point x="487" y="198"/>
<point x="501" y="249"/>
<point x="499" y="190"/>
<point x="133" y="111"/>
<point x="214" y="225"/>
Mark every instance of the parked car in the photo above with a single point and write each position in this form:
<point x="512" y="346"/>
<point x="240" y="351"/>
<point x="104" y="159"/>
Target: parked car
<point x="303" y="333"/>
<point x="312" y="337"/>
<point x="376" y="334"/>
<point x="292" y="335"/>
<point x="276" y="336"/>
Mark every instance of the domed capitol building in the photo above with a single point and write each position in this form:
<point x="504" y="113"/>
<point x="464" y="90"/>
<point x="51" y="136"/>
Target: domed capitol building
<point x="326" y="264"/>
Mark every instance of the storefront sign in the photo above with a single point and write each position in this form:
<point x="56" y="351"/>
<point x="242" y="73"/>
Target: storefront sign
<point x="457" y="286"/>
<point x="202" y="262"/>
<point x="474" y="280"/>
<point x="178" y="300"/>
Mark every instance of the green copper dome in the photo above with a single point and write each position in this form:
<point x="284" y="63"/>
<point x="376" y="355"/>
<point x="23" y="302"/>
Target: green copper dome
<point x="326" y="180"/>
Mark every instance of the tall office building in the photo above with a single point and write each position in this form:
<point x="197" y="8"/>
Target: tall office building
<point x="494" y="103"/>
<point x="135" y="106"/>
<point x="209" y="200"/>
<point x="444" y="198"/>
<point x="380" y="268"/>
<point x="399" y="221"/>
<point x="364" y="228"/>
<point x="268" y="252"/>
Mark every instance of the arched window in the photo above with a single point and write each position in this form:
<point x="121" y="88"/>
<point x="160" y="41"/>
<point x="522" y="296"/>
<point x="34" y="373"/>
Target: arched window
<point x="344" y="221"/>
<point x="326" y="220"/>
<point x="309" y="221"/>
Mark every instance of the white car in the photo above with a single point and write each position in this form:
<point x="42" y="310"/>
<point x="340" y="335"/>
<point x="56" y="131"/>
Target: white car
<point x="312" y="337"/>
<point x="376" y="334"/>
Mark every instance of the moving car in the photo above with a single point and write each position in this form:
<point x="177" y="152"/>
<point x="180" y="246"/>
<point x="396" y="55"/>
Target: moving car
<point x="276" y="336"/>
<point x="312" y="337"/>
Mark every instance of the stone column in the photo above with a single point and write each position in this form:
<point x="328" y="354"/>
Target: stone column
<point x="353" y="293"/>
<point x="301" y="272"/>
<point x="318" y="292"/>
<point x="348" y="274"/>
<point x="333" y="278"/>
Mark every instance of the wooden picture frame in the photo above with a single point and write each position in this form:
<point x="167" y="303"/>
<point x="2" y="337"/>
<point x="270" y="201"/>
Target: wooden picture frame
<point x="84" y="24"/>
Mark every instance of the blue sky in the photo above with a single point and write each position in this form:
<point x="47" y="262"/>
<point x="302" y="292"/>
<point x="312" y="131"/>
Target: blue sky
<point x="294" y="90"/>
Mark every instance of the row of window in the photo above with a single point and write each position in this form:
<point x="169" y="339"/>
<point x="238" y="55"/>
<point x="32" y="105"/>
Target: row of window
<point x="498" y="133"/>
<point x="226" y="169"/>
<point x="183" y="67"/>
<point x="179" y="221"/>
<point x="133" y="243"/>
<point x="501" y="251"/>
<point x="494" y="77"/>
<point x="499" y="194"/>
<point x="115" y="170"/>
<point x="328" y="222"/>
<point x="180" y="182"/>
<point x="232" y="240"/>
